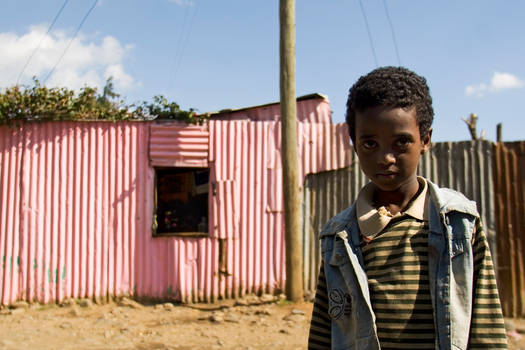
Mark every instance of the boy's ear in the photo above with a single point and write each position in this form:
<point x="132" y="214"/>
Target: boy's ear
<point x="426" y="141"/>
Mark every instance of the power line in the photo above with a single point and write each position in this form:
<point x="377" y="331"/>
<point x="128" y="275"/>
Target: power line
<point x="41" y="41"/>
<point x="369" y="34"/>
<point x="71" y="41"/>
<point x="178" y="48"/>
<point x="184" y="44"/>
<point x="392" y="30"/>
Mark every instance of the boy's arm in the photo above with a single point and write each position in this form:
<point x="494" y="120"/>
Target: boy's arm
<point x="487" y="328"/>
<point x="320" y="326"/>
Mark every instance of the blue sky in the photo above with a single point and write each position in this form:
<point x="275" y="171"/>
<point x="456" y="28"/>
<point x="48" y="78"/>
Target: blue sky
<point x="212" y="55"/>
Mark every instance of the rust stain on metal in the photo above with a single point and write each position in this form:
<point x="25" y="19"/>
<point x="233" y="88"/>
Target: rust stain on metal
<point x="509" y="175"/>
<point x="223" y="258"/>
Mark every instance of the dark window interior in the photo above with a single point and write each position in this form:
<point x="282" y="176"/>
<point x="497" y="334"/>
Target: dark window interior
<point x="181" y="201"/>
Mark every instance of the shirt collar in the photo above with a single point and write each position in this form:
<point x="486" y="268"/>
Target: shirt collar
<point x="372" y="221"/>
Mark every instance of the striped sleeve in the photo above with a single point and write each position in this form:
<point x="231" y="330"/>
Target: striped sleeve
<point x="487" y="327"/>
<point x="320" y="326"/>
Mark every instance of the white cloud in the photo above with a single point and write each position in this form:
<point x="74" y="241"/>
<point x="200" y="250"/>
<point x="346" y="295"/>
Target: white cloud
<point x="85" y="63"/>
<point x="500" y="81"/>
<point x="476" y="90"/>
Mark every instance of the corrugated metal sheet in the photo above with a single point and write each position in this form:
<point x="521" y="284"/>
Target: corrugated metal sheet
<point x="325" y="194"/>
<point x="70" y="209"/>
<point x="255" y="252"/>
<point x="323" y="147"/>
<point x="509" y="174"/>
<point x="76" y="208"/>
<point x="310" y="110"/>
<point x="10" y="164"/>
<point x="77" y="204"/>
<point x="464" y="166"/>
<point x="178" y="145"/>
<point x="467" y="167"/>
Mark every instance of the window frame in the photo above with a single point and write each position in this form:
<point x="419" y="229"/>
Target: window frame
<point x="190" y="234"/>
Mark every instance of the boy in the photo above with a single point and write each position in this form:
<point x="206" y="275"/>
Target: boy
<point x="407" y="266"/>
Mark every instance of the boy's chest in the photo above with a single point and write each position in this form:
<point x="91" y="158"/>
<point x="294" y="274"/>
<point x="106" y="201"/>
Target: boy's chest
<point x="396" y="265"/>
<point x="400" y="251"/>
<point x="396" y="261"/>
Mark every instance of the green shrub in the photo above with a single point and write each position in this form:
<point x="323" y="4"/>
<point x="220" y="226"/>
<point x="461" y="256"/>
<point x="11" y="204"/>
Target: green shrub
<point x="39" y="103"/>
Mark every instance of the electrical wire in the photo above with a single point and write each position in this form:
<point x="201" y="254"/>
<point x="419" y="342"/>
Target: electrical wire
<point x="41" y="41"/>
<point x="369" y="34"/>
<point x="185" y="43"/>
<point x="392" y="30"/>
<point x="175" y="58"/>
<point x="71" y="41"/>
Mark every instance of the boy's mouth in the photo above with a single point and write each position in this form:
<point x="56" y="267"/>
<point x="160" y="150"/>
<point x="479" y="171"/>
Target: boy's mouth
<point x="387" y="174"/>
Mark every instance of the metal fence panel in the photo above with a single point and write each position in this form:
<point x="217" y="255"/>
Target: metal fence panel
<point x="324" y="195"/>
<point x="509" y="174"/>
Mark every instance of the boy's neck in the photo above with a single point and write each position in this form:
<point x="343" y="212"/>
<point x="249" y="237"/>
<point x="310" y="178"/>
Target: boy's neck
<point x="398" y="200"/>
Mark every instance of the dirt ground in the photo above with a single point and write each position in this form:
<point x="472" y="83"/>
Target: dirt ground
<point x="250" y="323"/>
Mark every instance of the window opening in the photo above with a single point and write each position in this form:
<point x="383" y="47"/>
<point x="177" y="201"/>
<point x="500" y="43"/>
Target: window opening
<point x="181" y="201"/>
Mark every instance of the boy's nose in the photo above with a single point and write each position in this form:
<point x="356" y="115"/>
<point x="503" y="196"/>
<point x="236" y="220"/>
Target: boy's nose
<point x="388" y="158"/>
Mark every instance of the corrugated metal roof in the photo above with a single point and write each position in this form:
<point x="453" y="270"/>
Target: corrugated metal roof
<point x="313" y="96"/>
<point x="314" y="108"/>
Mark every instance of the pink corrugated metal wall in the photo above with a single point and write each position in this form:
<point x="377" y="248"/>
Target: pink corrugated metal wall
<point x="245" y="156"/>
<point x="10" y="158"/>
<point x="76" y="208"/>
<point x="71" y="208"/>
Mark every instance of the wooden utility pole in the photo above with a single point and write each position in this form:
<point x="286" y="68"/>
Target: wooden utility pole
<point x="294" y="263"/>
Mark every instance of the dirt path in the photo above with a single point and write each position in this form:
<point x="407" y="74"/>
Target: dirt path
<point x="162" y="326"/>
<point x="129" y="325"/>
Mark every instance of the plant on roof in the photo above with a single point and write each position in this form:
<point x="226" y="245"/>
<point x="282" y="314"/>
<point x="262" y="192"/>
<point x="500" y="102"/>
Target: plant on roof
<point x="40" y="103"/>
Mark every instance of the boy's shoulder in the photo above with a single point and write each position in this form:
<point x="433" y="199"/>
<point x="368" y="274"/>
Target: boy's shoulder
<point x="339" y="222"/>
<point x="448" y="200"/>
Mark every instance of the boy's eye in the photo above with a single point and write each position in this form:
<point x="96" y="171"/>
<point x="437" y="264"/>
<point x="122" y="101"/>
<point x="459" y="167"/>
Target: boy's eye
<point x="403" y="142"/>
<point x="369" y="144"/>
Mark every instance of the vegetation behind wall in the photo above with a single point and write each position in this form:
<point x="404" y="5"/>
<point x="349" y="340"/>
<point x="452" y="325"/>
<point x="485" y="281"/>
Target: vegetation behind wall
<point x="40" y="103"/>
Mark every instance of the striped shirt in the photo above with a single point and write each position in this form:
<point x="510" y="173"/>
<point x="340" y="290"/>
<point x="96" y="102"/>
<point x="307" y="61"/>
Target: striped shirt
<point x="396" y="263"/>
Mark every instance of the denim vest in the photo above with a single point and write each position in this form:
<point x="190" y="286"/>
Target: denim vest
<point x="450" y="262"/>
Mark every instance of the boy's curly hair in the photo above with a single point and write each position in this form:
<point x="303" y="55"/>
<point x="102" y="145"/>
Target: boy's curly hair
<point x="392" y="87"/>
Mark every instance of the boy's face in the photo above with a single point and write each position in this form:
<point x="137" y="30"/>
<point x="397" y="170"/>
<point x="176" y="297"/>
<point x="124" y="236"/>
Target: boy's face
<point x="388" y="144"/>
